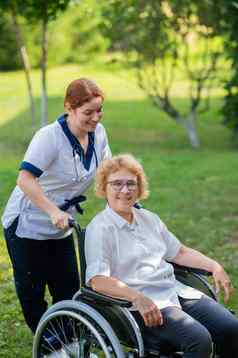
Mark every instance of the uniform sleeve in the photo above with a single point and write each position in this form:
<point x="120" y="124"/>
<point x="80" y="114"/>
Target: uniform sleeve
<point x="172" y="243"/>
<point x="106" y="151"/>
<point x="40" y="153"/>
<point x="97" y="251"/>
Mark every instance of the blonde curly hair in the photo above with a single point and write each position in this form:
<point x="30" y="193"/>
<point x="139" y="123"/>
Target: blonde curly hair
<point x="121" y="161"/>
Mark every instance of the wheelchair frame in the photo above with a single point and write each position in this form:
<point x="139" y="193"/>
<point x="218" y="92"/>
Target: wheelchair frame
<point x="93" y="325"/>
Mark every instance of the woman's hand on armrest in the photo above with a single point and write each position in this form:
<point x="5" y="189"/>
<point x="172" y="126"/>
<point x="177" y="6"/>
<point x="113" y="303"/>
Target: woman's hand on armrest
<point x="221" y="279"/>
<point x="190" y="257"/>
<point x="115" y="288"/>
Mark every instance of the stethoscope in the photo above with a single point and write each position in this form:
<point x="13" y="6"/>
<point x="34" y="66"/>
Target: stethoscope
<point x="77" y="149"/>
<point x="76" y="146"/>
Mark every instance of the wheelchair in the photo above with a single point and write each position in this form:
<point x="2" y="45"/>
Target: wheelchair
<point x="93" y="325"/>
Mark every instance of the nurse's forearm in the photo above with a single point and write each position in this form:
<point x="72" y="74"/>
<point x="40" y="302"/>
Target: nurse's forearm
<point x="30" y="186"/>
<point x="113" y="287"/>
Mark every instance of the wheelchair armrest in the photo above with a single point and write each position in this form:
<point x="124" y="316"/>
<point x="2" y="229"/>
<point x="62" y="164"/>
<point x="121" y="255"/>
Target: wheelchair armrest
<point x="89" y="293"/>
<point x="180" y="269"/>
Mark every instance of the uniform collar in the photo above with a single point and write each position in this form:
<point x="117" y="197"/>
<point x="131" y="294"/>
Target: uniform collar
<point x="76" y="146"/>
<point x="120" y="221"/>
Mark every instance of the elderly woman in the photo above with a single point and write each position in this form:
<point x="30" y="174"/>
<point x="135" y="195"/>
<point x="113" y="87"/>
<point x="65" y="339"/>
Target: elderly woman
<point x="128" y="251"/>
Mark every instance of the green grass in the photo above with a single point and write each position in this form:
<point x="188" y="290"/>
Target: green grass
<point x="195" y="192"/>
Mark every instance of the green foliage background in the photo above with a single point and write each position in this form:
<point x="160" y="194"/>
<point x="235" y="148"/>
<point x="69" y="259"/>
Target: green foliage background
<point x="194" y="192"/>
<point x="74" y="36"/>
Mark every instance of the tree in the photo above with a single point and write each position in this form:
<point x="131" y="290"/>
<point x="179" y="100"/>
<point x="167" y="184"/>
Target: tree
<point x="9" y="58"/>
<point x="221" y="16"/>
<point x="85" y="37"/>
<point x="35" y="11"/>
<point x="12" y="8"/>
<point x="229" y="29"/>
<point x="43" y="12"/>
<point x="25" y="58"/>
<point x="164" y="40"/>
<point x="72" y="38"/>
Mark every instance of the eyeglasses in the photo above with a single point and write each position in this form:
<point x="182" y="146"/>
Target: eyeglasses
<point x="118" y="185"/>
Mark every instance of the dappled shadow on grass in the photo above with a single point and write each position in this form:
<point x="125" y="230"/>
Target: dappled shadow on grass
<point x="135" y="126"/>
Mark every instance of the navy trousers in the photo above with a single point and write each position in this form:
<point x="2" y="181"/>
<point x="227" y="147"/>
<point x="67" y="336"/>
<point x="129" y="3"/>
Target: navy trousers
<point x="193" y="329"/>
<point x="37" y="263"/>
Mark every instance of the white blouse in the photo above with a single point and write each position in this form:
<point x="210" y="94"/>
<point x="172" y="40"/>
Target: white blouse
<point x="136" y="254"/>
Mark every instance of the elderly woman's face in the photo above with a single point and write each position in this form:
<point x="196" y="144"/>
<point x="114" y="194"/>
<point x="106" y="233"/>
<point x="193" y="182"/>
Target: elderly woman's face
<point x="122" y="191"/>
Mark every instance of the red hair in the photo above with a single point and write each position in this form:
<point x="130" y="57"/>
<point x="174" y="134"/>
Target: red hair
<point x="81" y="91"/>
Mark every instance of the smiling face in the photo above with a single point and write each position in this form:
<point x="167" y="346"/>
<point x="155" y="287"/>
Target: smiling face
<point x="122" y="192"/>
<point x="85" y="118"/>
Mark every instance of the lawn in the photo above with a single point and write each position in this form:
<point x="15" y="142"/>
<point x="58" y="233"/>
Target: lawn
<point x="195" y="192"/>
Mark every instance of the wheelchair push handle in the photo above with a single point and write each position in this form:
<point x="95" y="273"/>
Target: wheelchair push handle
<point x="75" y="225"/>
<point x="74" y="202"/>
<point x="72" y="222"/>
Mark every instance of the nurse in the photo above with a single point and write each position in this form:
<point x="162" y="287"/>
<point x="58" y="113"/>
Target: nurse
<point x="59" y="166"/>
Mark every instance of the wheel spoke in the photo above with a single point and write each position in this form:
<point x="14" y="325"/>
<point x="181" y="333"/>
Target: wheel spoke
<point x="72" y="335"/>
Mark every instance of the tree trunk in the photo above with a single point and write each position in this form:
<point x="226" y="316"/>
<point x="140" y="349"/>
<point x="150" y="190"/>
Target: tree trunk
<point x="26" y="64"/>
<point x="190" y="125"/>
<point x="44" y="98"/>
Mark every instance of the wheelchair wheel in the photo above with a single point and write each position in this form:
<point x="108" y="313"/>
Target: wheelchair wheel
<point x="75" y="330"/>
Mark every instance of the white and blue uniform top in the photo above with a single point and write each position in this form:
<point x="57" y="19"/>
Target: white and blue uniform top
<point x="56" y="158"/>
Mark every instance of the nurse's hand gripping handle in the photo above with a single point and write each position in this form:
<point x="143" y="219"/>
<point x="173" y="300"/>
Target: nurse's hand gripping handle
<point x="73" y="223"/>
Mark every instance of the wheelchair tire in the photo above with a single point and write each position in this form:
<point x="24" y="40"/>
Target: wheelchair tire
<point x="75" y="330"/>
